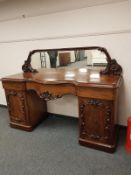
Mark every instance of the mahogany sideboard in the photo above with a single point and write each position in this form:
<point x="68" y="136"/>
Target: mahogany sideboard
<point x="27" y="93"/>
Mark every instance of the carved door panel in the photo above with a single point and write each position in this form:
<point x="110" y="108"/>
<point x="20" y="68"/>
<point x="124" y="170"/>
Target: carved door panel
<point x="96" y="119"/>
<point x="16" y="105"/>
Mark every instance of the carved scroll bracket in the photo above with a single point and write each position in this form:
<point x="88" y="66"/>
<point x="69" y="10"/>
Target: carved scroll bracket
<point x="27" y="64"/>
<point x="48" y="96"/>
<point x="28" y="68"/>
<point x="112" y="66"/>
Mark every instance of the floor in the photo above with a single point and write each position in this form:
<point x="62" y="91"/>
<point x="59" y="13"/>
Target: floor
<point x="53" y="149"/>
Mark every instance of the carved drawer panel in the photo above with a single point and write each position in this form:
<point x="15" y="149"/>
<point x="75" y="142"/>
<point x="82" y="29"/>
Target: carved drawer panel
<point x="96" y="117"/>
<point x="16" y="105"/>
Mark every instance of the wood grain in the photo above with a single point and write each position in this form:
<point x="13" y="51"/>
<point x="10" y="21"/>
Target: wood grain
<point x="27" y="93"/>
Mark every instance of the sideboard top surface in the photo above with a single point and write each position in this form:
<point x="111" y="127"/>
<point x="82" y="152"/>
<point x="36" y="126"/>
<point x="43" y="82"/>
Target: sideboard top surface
<point x="77" y="76"/>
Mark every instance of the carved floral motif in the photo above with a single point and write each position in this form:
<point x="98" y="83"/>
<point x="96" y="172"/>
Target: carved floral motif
<point x="48" y="96"/>
<point x="95" y="102"/>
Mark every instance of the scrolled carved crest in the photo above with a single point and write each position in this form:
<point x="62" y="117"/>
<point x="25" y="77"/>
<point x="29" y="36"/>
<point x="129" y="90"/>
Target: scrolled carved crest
<point x="27" y="64"/>
<point x="28" y="68"/>
<point x="112" y="68"/>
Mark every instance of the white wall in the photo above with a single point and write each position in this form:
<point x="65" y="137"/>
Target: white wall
<point x="16" y="9"/>
<point x="106" y="25"/>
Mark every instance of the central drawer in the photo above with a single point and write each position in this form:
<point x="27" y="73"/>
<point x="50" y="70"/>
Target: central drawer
<point x="51" y="91"/>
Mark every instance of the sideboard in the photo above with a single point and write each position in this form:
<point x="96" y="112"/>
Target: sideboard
<point x="27" y="93"/>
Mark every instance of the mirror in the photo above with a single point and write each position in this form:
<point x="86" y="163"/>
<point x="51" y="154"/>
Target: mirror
<point x="68" y="58"/>
<point x="92" y="57"/>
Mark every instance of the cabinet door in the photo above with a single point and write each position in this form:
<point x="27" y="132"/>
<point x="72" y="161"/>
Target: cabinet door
<point x="16" y="105"/>
<point x="96" y="118"/>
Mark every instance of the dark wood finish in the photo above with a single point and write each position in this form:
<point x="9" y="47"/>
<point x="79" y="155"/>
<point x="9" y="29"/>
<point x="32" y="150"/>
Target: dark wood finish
<point x="27" y="66"/>
<point x="112" y="66"/>
<point x="27" y="94"/>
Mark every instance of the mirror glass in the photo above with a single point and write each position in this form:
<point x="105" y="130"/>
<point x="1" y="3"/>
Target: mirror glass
<point x="76" y="58"/>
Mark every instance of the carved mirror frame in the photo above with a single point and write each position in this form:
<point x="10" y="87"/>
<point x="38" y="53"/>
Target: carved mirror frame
<point x="112" y="66"/>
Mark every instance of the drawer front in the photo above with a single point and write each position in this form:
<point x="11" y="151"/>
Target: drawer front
<point x="50" y="92"/>
<point x="100" y="93"/>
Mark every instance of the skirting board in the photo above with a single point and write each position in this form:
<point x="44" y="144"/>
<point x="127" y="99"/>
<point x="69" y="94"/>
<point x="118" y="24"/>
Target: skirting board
<point x="3" y="106"/>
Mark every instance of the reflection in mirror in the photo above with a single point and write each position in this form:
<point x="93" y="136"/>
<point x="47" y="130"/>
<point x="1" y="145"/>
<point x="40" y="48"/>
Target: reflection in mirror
<point x="77" y="58"/>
